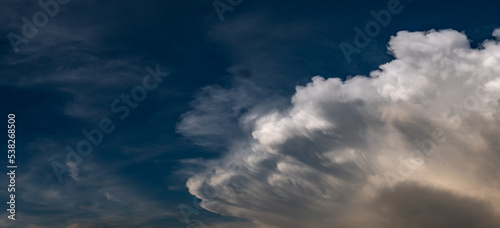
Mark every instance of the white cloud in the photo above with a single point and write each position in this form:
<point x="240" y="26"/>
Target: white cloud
<point x="496" y="33"/>
<point x="324" y="160"/>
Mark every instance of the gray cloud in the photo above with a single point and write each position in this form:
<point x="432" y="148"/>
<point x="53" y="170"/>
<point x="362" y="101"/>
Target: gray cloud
<point x="98" y="195"/>
<point x="216" y="112"/>
<point x="411" y="205"/>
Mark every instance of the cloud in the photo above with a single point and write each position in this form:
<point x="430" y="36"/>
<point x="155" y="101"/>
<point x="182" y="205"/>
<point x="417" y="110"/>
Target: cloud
<point x="411" y="206"/>
<point x="224" y="225"/>
<point x="496" y="33"/>
<point x="85" y="225"/>
<point x="427" y="119"/>
<point x="81" y="226"/>
<point x="79" y="66"/>
<point x="98" y="196"/>
<point x="216" y="112"/>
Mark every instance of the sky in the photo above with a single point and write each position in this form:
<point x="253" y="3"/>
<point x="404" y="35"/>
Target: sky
<point x="250" y="113"/>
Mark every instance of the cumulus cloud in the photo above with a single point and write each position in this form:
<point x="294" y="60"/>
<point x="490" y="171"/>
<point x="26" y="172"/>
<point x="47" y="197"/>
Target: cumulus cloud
<point x="415" y="142"/>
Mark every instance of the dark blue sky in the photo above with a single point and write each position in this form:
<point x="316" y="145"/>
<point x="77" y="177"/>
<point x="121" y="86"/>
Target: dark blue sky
<point x="89" y="53"/>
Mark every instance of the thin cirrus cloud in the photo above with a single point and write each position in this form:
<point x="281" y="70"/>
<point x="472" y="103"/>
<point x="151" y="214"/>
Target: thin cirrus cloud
<point x="363" y="152"/>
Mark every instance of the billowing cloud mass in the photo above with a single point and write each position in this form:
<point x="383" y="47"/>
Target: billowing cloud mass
<point x="414" y="144"/>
